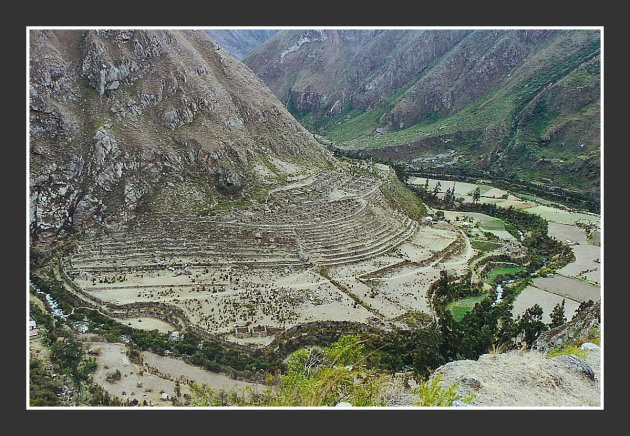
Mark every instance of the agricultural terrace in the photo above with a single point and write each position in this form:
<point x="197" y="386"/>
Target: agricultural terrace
<point x="331" y="246"/>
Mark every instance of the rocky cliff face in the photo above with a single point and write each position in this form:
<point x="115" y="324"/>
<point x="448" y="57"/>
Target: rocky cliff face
<point x="329" y="71"/>
<point x="123" y="119"/>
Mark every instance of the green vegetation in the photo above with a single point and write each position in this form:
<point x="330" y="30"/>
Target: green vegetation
<point x="459" y="308"/>
<point x="502" y="273"/>
<point x="44" y="389"/>
<point x="401" y="197"/>
<point x="573" y="344"/>
<point x="484" y="245"/>
<point x="524" y="118"/>
<point x="567" y="350"/>
<point x="315" y="378"/>
<point x="431" y="393"/>
<point x="325" y="377"/>
<point x="531" y="325"/>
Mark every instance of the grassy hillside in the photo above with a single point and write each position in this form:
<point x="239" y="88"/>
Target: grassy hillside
<point x="515" y="104"/>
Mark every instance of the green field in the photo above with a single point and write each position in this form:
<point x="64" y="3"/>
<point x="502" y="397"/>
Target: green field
<point x="494" y="273"/>
<point x="535" y="199"/>
<point x="459" y="308"/>
<point x="484" y="245"/>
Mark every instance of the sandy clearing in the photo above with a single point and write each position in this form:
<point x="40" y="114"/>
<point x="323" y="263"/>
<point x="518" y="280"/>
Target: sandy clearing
<point x="132" y="384"/>
<point x="176" y="369"/>
<point x="147" y="323"/>
<point x="567" y="232"/>
<point x="585" y="264"/>
<point x="561" y="216"/>
<point x="532" y="295"/>
<point x="568" y="287"/>
<point x="144" y="383"/>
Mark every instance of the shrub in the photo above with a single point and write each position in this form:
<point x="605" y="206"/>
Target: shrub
<point x="431" y="393"/>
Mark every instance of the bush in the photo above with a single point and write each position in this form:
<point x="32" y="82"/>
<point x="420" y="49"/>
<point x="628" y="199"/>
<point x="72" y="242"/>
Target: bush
<point x="431" y="393"/>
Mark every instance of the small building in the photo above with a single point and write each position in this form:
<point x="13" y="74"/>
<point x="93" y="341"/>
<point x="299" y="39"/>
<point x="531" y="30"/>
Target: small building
<point x="242" y="331"/>
<point x="32" y="325"/>
<point x="259" y="331"/>
<point x="33" y="333"/>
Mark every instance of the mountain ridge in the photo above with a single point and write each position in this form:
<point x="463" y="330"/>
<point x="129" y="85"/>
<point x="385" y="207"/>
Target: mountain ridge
<point x="516" y="103"/>
<point x="118" y="116"/>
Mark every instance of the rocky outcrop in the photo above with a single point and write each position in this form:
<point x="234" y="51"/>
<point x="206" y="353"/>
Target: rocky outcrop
<point x="531" y="378"/>
<point x="525" y="379"/>
<point x="119" y="117"/>
<point x="580" y="327"/>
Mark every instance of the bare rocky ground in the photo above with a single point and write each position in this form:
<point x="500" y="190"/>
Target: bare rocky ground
<point x="154" y="376"/>
<point x="525" y="379"/>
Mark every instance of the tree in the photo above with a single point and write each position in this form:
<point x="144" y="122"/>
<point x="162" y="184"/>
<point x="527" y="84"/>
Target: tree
<point x="436" y="189"/>
<point x="476" y="195"/>
<point x="449" y="197"/>
<point x="531" y="325"/>
<point x="557" y="315"/>
<point x="67" y="352"/>
<point x="582" y="307"/>
<point x="451" y="335"/>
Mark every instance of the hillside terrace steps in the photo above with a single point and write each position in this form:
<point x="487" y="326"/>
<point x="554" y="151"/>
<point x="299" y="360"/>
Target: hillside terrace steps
<point x="356" y="226"/>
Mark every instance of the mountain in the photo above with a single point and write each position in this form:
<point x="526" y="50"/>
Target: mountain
<point x="239" y="42"/>
<point x="125" y="121"/>
<point x="520" y="105"/>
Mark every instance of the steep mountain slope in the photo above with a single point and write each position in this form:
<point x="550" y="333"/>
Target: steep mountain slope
<point x="239" y="42"/>
<point x="124" y="121"/>
<point x="511" y="104"/>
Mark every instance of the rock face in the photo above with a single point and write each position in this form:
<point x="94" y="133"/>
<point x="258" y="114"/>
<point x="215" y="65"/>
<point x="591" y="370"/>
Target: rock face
<point x="330" y="70"/>
<point x="529" y="379"/>
<point x="125" y="119"/>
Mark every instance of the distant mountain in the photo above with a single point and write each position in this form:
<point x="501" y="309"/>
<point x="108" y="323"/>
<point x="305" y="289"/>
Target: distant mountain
<point x="239" y="42"/>
<point x="512" y="104"/>
<point x="123" y="121"/>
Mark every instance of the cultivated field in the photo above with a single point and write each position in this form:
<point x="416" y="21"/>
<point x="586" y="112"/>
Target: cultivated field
<point x="488" y="194"/>
<point x="485" y="223"/>
<point x="561" y="216"/>
<point x="326" y="247"/>
<point x="568" y="287"/>
<point x="567" y="233"/>
<point x="587" y="264"/>
<point x="532" y="295"/>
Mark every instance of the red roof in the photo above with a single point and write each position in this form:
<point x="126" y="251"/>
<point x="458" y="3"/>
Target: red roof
<point x="33" y="332"/>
